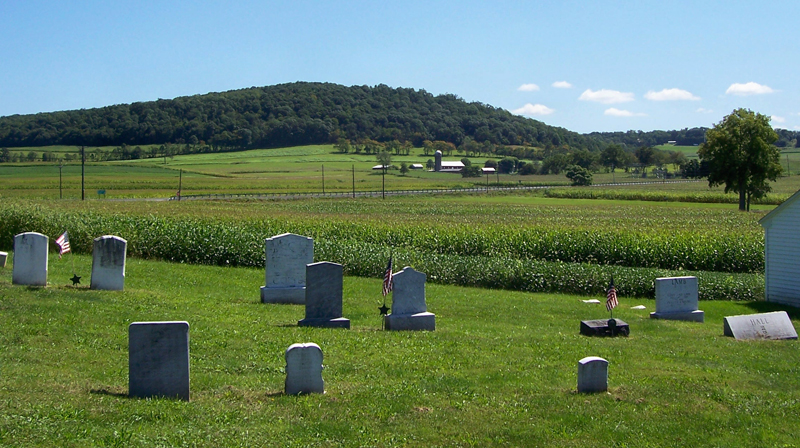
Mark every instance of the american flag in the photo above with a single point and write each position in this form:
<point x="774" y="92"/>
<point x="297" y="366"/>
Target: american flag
<point x="387" y="278"/>
<point x="611" y="296"/>
<point x="63" y="244"/>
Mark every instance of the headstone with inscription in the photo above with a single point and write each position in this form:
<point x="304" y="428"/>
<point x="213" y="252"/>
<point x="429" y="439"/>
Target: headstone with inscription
<point x="676" y="299"/>
<point x="304" y="369"/>
<point x="286" y="258"/>
<point x="30" y="259"/>
<point x="324" y="281"/>
<point x="158" y="360"/>
<point x="108" y="263"/>
<point x="775" y="325"/>
<point x="3" y="258"/>
<point x="409" y="310"/>
<point x="592" y="374"/>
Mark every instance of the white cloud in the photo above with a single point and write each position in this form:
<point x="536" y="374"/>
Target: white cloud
<point x="750" y="88"/>
<point x="562" y="85"/>
<point x="797" y="127"/>
<point x="614" y="112"/>
<point x="671" y="95"/>
<point x="533" y="109"/>
<point x="777" y="119"/>
<point x="606" y="96"/>
<point x="703" y="110"/>
<point x="528" y="88"/>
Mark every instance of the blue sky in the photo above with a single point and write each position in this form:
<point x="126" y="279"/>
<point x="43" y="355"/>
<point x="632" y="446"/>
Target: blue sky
<point x="582" y="65"/>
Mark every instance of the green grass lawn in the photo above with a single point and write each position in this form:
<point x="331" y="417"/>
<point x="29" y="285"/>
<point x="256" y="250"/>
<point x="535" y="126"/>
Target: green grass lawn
<point x="500" y="370"/>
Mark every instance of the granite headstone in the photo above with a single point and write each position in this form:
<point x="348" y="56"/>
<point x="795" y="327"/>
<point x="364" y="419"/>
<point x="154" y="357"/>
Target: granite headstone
<point x="285" y="273"/>
<point x="676" y="299"/>
<point x="30" y="259"/>
<point x="592" y="374"/>
<point x="324" y="281"/>
<point x="775" y="325"/>
<point x="304" y="369"/>
<point x="158" y="359"/>
<point x="108" y="263"/>
<point x="409" y="310"/>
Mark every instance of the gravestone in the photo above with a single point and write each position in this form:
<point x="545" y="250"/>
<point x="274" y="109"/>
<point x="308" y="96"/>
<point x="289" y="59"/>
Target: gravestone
<point x="775" y="325"/>
<point x="30" y="259"/>
<point x="676" y="299"/>
<point x="324" y="296"/>
<point x="605" y="327"/>
<point x="3" y="258"/>
<point x="108" y="263"/>
<point x="592" y="374"/>
<point x="158" y="359"/>
<point x="285" y="274"/>
<point x="409" y="311"/>
<point x="304" y="369"/>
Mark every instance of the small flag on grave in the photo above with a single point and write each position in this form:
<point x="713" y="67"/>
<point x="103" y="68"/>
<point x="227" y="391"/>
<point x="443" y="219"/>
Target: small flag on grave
<point x="387" y="278"/>
<point x="63" y="244"/>
<point x="611" y="296"/>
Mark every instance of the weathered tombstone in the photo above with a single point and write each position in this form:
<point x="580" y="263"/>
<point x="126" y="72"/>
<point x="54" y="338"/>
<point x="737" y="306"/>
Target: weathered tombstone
<point x="30" y="259"/>
<point x="409" y="311"/>
<point x="775" y="325"/>
<point x="158" y="359"/>
<point x="605" y="327"/>
<point x="324" y="282"/>
<point x="108" y="263"/>
<point x="676" y="299"/>
<point x="592" y="374"/>
<point x="286" y="258"/>
<point x="304" y="369"/>
<point x="3" y="258"/>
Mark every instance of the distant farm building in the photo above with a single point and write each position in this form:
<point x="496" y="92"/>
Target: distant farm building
<point x="380" y="167"/>
<point x="781" y="251"/>
<point x="416" y="166"/>
<point x="446" y="167"/>
<point x="488" y="170"/>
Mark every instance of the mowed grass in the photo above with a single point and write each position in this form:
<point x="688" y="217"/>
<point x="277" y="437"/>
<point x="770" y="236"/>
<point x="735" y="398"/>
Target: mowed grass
<point x="500" y="370"/>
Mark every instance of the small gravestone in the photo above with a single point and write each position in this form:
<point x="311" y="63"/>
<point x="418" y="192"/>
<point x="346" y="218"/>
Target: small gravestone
<point x="676" y="299"/>
<point x="286" y="258"/>
<point x="605" y="327"/>
<point x="3" y="258"/>
<point x="592" y="374"/>
<point x="775" y="325"/>
<point x="158" y="360"/>
<point x="324" y="282"/>
<point x="108" y="263"/>
<point x="30" y="259"/>
<point x="304" y="369"/>
<point x="409" y="311"/>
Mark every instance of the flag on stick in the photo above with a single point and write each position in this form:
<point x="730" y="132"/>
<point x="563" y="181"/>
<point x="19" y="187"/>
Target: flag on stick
<point x="611" y="296"/>
<point x="387" y="278"/>
<point x="63" y="244"/>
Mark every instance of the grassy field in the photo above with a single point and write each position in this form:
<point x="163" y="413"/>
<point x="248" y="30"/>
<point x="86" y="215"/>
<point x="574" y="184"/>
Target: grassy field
<point x="500" y="370"/>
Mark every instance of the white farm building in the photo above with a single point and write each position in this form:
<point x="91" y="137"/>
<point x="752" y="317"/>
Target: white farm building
<point x="781" y="252"/>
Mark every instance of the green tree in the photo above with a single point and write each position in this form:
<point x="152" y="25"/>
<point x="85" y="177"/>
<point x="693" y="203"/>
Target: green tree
<point x="342" y="145"/>
<point x="579" y="175"/>
<point x="613" y="156"/>
<point x="430" y="164"/>
<point x="403" y="168"/>
<point x="385" y="159"/>
<point x="5" y="155"/>
<point x="740" y="154"/>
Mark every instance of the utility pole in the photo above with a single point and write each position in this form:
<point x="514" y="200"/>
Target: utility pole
<point x="383" y="185"/>
<point x="83" y="174"/>
<point x="354" y="181"/>
<point x="180" y="183"/>
<point x="60" y="193"/>
<point x="323" y="179"/>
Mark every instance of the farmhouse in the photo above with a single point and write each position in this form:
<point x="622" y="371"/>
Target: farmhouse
<point x="781" y="251"/>
<point x="446" y="167"/>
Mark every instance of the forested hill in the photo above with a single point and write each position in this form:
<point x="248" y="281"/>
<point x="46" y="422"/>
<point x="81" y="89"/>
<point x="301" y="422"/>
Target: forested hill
<point x="683" y="137"/>
<point x="288" y="115"/>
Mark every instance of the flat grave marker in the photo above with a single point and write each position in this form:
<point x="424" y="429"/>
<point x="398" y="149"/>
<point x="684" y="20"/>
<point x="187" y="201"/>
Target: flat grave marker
<point x="775" y="325"/>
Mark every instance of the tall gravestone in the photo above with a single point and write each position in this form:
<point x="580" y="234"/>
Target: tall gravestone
<point x="30" y="259"/>
<point x="592" y="374"/>
<point x="676" y="299"/>
<point x="324" y="281"/>
<point x="409" y="310"/>
<point x="158" y="360"/>
<point x="108" y="263"/>
<point x="304" y="369"/>
<point x="775" y="325"/>
<point x="286" y="258"/>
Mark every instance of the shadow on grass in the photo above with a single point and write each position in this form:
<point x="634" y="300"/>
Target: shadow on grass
<point x="109" y="393"/>
<point x="768" y="307"/>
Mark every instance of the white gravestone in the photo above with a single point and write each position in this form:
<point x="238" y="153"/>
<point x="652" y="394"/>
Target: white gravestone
<point x="285" y="274"/>
<point x="3" y="258"/>
<point x="324" y="281"/>
<point x="108" y="263"/>
<point x="158" y="360"/>
<point x="409" y="311"/>
<point x="676" y="299"/>
<point x="304" y="369"/>
<point x="775" y="325"/>
<point x="592" y="374"/>
<point x="30" y="259"/>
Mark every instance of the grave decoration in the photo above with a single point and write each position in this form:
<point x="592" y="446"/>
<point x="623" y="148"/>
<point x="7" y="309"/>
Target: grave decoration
<point x="611" y="327"/>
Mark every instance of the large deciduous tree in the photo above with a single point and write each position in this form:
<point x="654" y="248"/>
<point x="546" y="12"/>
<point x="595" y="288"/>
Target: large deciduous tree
<point x="740" y="154"/>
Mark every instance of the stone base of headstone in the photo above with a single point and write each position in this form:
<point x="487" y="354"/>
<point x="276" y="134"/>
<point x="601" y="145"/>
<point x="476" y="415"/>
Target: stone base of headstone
<point x="592" y="375"/>
<point x="605" y="327"/>
<point x="693" y="316"/>
<point x="339" y="322"/>
<point x="413" y="322"/>
<point x="774" y="325"/>
<point x="3" y="258"/>
<point x="295" y="295"/>
<point x="158" y="360"/>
